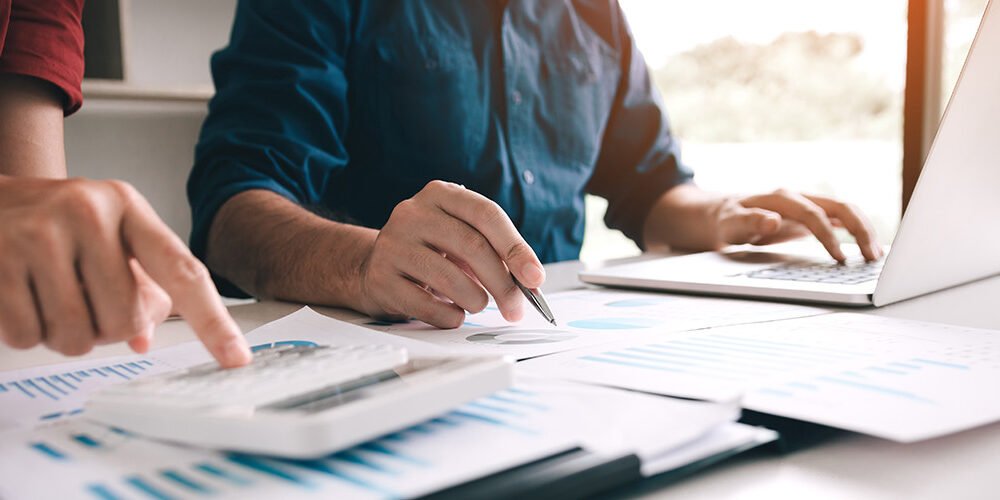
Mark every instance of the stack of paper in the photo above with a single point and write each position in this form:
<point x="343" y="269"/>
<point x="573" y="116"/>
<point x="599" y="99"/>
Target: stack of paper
<point x="49" y="450"/>
<point x="897" y="379"/>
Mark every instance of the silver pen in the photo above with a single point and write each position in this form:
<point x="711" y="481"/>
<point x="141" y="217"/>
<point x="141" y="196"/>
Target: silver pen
<point x="536" y="298"/>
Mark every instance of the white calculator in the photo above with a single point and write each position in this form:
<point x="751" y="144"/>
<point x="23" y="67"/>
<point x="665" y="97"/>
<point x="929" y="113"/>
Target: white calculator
<point x="299" y="401"/>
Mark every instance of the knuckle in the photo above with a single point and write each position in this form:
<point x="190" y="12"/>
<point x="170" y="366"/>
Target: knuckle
<point x="518" y="250"/>
<point x="185" y="270"/>
<point x="122" y="189"/>
<point x="80" y="194"/>
<point x="214" y="326"/>
<point x="475" y="244"/>
<point x="404" y="209"/>
<point x="852" y="209"/>
<point x="488" y="213"/>
<point x="437" y="185"/>
<point x="510" y="293"/>
<point x="815" y="214"/>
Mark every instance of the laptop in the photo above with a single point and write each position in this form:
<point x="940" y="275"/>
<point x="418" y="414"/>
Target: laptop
<point x="949" y="235"/>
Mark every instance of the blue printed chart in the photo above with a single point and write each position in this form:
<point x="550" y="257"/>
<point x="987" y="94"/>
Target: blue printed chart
<point x="105" y="463"/>
<point x="49" y="393"/>
<point x="897" y="379"/>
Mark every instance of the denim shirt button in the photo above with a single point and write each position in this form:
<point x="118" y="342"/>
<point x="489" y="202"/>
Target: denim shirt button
<point x="529" y="178"/>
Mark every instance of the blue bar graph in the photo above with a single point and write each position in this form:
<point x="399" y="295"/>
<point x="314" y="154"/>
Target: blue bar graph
<point x="223" y="474"/>
<point x="144" y="486"/>
<point x="49" y="451"/>
<point x="86" y="440"/>
<point x="262" y="465"/>
<point x="326" y="467"/>
<point x="185" y="481"/>
<point x="102" y="492"/>
<point x="369" y="466"/>
<point x="63" y="381"/>
<point x="377" y="447"/>
<point x="939" y="363"/>
<point x="59" y="386"/>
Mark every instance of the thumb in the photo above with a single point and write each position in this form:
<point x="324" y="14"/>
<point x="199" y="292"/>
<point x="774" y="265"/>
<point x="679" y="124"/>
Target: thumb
<point x="749" y="225"/>
<point x="156" y="305"/>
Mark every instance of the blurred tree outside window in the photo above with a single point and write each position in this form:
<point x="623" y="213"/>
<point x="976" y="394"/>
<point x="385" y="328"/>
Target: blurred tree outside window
<point x="961" y="22"/>
<point x="804" y="95"/>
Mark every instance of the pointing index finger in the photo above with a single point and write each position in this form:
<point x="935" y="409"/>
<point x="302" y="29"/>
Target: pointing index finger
<point x="171" y="265"/>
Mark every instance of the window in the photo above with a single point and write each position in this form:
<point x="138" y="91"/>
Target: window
<point x="961" y="19"/>
<point x="778" y="93"/>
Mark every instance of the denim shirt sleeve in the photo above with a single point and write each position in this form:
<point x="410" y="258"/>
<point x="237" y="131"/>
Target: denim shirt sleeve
<point x="639" y="159"/>
<point x="277" y="118"/>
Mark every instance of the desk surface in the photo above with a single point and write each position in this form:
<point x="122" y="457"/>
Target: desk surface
<point x="849" y="466"/>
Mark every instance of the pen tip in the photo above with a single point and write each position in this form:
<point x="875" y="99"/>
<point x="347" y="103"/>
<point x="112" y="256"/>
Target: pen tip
<point x="553" y="321"/>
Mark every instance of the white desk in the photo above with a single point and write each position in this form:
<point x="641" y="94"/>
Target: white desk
<point x="965" y="465"/>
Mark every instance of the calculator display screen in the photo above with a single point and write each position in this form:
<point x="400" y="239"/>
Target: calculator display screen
<point x="360" y="388"/>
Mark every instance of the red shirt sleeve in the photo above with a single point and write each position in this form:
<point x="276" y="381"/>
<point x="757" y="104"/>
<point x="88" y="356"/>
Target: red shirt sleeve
<point x="4" y="18"/>
<point x="44" y="39"/>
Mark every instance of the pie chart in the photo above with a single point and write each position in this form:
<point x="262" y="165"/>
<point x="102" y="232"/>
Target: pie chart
<point x="635" y="302"/>
<point x="614" y="323"/>
<point x="520" y="337"/>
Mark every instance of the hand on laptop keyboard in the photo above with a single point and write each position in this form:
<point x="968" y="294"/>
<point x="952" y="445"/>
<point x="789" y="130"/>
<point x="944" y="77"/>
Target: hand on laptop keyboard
<point x="845" y="274"/>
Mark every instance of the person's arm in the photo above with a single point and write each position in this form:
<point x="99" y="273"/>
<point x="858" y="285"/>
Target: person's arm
<point x="284" y="241"/>
<point x="32" y="145"/>
<point x="690" y="218"/>
<point x="84" y="262"/>
<point x="271" y="146"/>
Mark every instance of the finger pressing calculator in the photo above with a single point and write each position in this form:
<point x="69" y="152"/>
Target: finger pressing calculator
<point x="299" y="401"/>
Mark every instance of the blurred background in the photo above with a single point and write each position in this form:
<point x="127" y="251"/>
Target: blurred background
<point x="802" y="94"/>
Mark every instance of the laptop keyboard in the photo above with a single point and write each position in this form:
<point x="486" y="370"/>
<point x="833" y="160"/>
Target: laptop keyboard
<point x="844" y="274"/>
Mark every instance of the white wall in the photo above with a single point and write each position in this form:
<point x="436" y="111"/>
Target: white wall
<point x="150" y="143"/>
<point x="170" y="41"/>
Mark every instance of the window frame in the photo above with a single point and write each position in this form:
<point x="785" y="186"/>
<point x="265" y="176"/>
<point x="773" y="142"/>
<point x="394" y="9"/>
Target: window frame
<point x="922" y="91"/>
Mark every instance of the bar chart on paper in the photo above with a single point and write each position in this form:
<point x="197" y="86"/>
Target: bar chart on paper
<point x="52" y="392"/>
<point x="897" y="379"/>
<point x="102" y="463"/>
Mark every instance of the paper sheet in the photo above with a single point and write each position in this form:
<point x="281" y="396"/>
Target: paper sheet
<point x="66" y="456"/>
<point x="48" y="392"/>
<point x="897" y="379"/>
<point x="728" y="438"/>
<point x="512" y="427"/>
<point x="590" y="317"/>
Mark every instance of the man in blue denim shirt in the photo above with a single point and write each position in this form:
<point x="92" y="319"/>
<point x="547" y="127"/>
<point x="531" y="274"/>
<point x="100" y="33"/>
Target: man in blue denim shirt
<point x="398" y="158"/>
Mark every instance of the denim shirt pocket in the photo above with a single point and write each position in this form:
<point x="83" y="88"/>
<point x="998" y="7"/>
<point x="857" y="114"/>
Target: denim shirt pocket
<point x="429" y="104"/>
<point x="581" y="81"/>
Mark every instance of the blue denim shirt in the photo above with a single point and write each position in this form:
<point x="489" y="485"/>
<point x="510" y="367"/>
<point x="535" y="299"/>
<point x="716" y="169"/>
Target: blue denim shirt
<point x="349" y="107"/>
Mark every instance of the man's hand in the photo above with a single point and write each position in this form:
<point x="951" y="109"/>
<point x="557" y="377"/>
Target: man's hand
<point x="89" y="262"/>
<point x="784" y="215"/>
<point x="687" y="217"/>
<point x="440" y="253"/>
